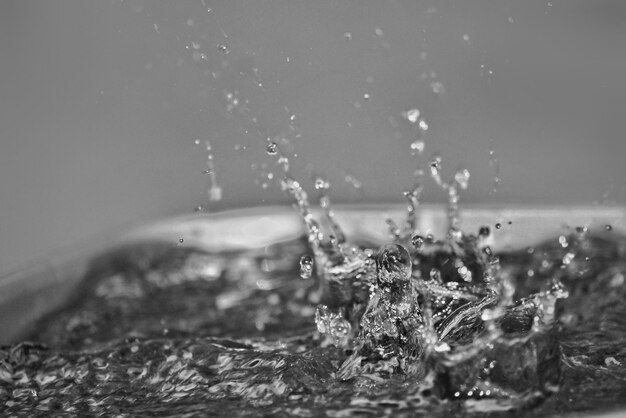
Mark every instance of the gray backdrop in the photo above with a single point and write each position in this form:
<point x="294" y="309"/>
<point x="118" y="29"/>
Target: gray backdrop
<point x="101" y="101"/>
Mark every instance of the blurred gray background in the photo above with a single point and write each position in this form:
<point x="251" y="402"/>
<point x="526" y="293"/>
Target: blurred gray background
<point x="101" y="102"/>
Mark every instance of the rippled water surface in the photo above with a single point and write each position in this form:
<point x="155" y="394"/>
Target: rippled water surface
<point x="161" y="329"/>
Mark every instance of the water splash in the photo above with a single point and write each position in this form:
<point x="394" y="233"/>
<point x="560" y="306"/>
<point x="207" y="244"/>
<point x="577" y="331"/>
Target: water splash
<point x="420" y="306"/>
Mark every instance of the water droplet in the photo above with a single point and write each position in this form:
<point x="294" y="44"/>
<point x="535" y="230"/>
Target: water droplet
<point x="378" y="31"/>
<point x="321" y="184"/>
<point x="272" y="148"/>
<point x="498" y="225"/>
<point x="366" y="96"/>
<point x="484" y="231"/>
<point x="412" y="115"/>
<point x="417" y="146"/>
<point x="466" y="37"/>
<point x="181" y="240"/>
<point x="339" y="328"/>
<point x="462" y="178"/>
<point x="437" y="87"/>
<point x="306" y="267"/>
<point x="417" y="241"/>
<point x="435" y="166"/>
<point x="608" y="227"/>
<point x="393" y="263"/>
<point x="423" y="125"/>
<point x="196" y="141"/>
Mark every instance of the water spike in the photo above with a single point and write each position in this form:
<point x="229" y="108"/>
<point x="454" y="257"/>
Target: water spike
<point x="322" y="185"/>
<point x="214" y="191"/>
<point x="411" y="217"/>
<point x="461" y="180"/>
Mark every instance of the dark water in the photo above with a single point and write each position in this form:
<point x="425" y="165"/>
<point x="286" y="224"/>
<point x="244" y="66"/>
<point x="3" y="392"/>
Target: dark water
<point x="160" y="329"/>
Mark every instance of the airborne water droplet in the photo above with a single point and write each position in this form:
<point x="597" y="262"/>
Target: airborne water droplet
<point x="272" y="148"/>
<point x="417" y="146"/>
<point x="462" y="178"/>
<point x="417" y="241"/>
<point x="321" y="184"/>
<point x="484" y="231"/>
<point x="306" y="267"/>
<point x="412" y="115"/>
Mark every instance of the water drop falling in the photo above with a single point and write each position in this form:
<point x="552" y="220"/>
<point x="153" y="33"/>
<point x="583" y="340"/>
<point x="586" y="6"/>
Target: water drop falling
<point x="393" y="263"/>
<point x="306" y="267"/>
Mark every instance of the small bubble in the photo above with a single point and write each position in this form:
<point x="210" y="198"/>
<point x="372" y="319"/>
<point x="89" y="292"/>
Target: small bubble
<point x="196" y="141"/>
<point x="412" y="115"/>
<point x="189" y="22"/>
<point x="466" y="37"/>
<point x="423" y="125"/>
<point x="180" y="241"/>
<point x="379" y="32"/>
<point x="348" y="36"/>
<point x="306" y="267"/>
<point x="272" y="148"/>
<point x="510" y="19"/>
<point x="498" y="225"/>
<point x="608" y="227"/>
<point x="366" y="96"/>
<point x="223" y="48"/>
<point x="199" y="208"/>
